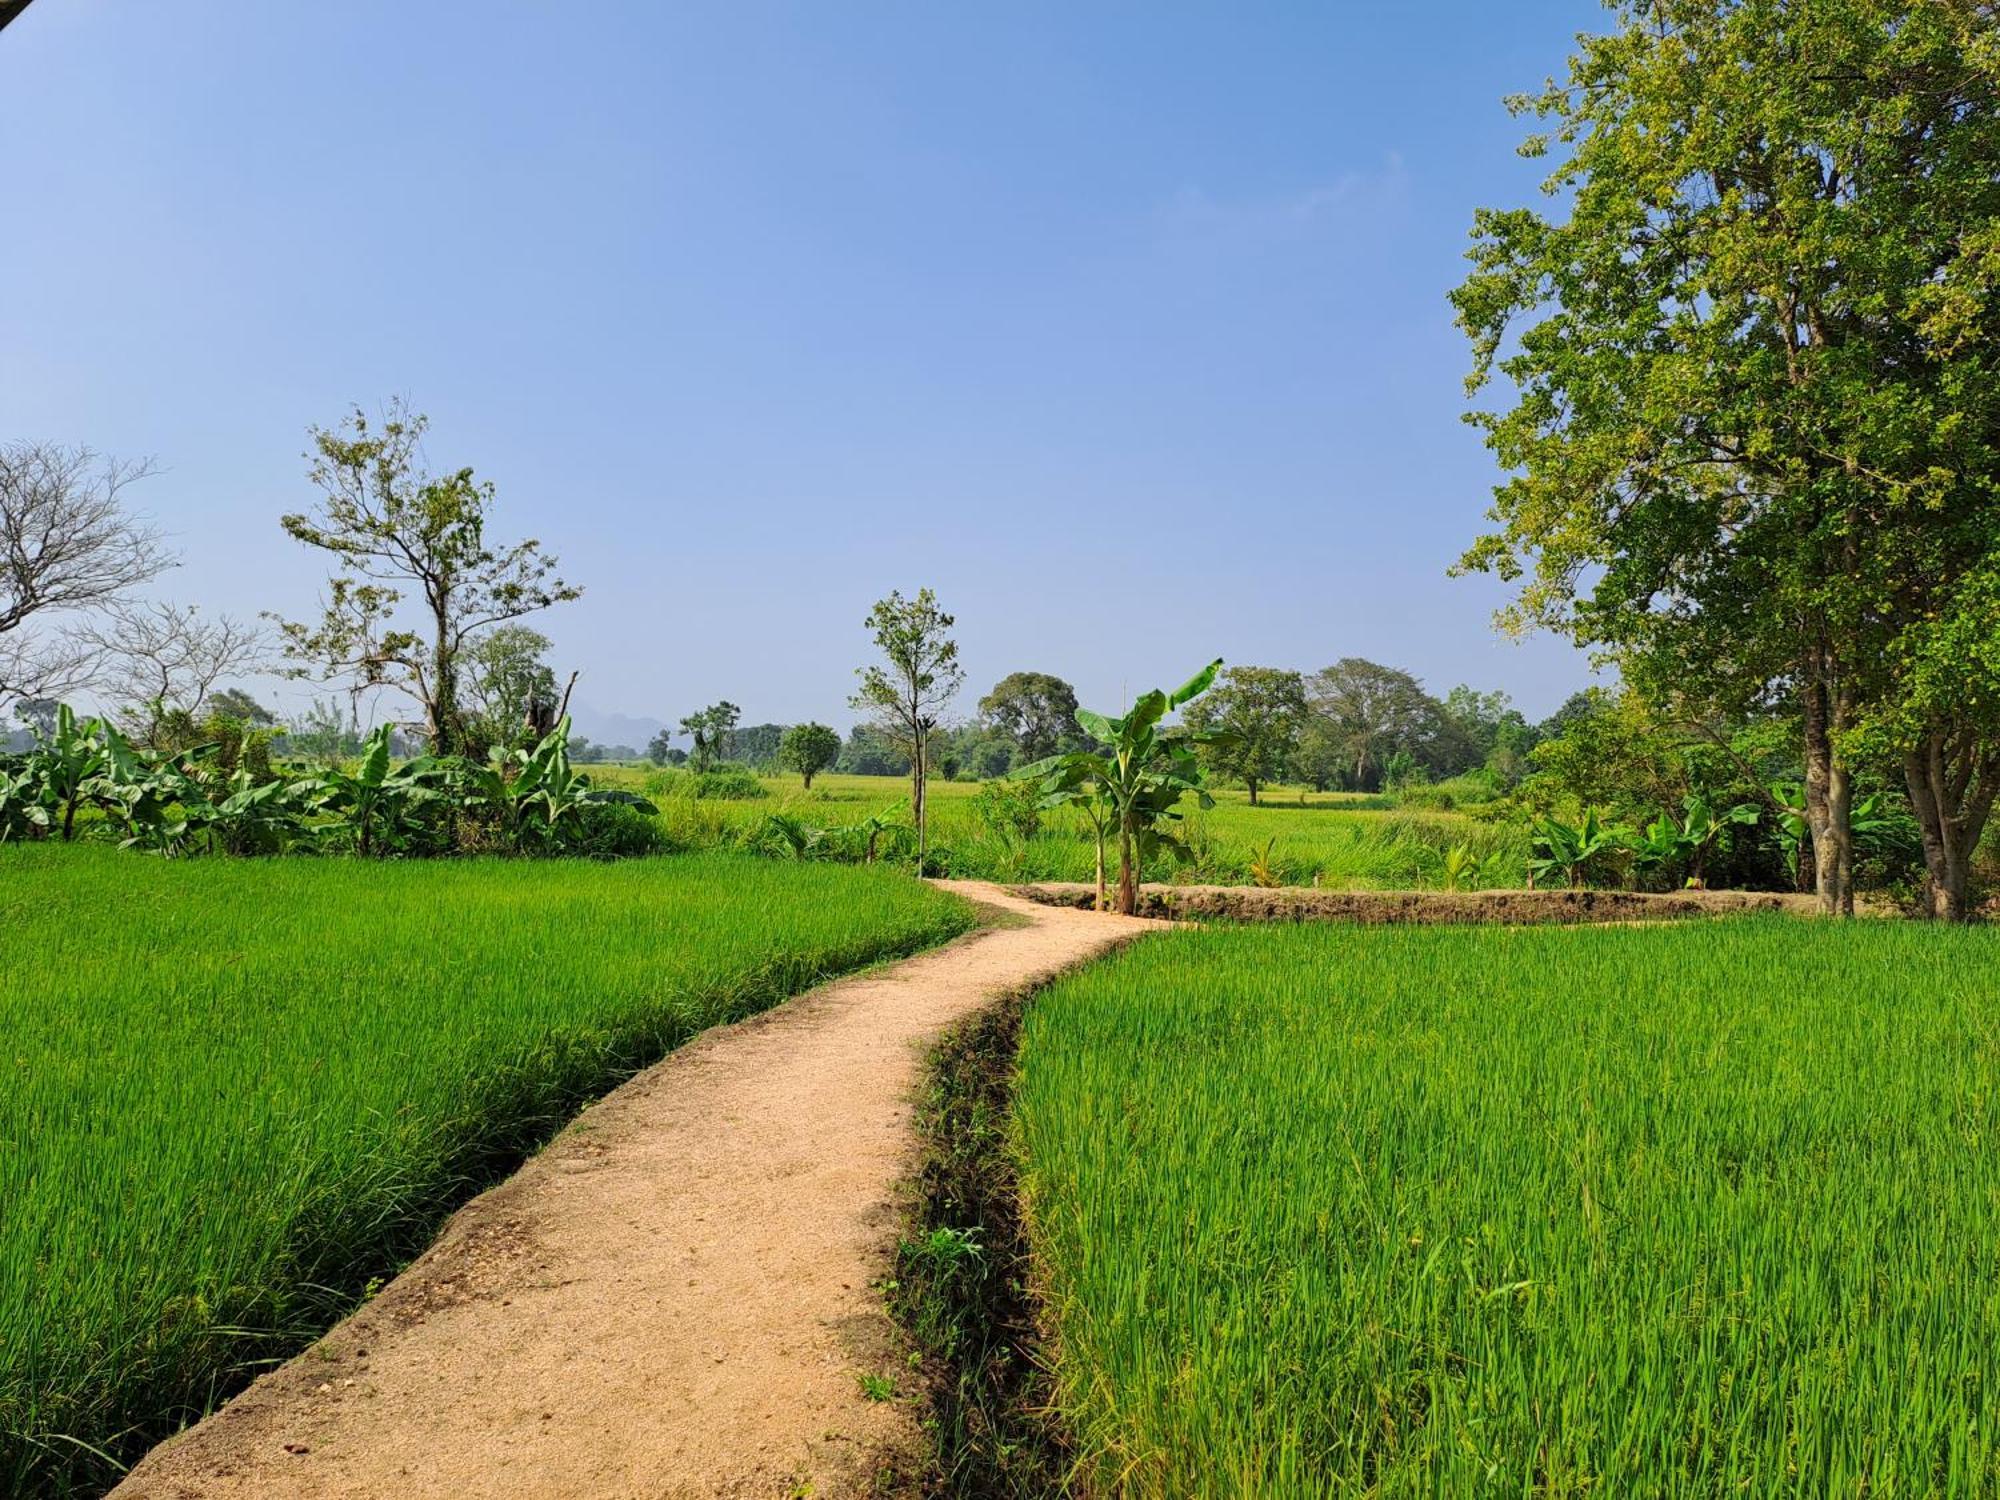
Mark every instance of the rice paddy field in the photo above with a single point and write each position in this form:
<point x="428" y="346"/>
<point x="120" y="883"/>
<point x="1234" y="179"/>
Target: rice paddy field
<point x="1680" y="1211"/>
<point x="240" y="1090"/>
<point x="1341" y="839"/>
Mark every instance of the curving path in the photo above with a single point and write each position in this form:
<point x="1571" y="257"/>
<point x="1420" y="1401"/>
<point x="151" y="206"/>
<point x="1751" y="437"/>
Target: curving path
<point x="676" y="1298"/>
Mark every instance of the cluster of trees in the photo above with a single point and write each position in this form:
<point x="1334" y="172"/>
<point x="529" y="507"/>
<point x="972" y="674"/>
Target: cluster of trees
<point x="1358" y="726"/>
<point x="421" y="600"/>
<point x="1025" y="717"/>
<point x="1751" y="407"/>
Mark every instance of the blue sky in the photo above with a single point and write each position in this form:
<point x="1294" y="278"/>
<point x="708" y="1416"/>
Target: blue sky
<point x="1123" y="327"/>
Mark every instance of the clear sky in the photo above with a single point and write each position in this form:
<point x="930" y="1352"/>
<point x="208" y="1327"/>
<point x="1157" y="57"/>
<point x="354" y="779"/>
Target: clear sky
<point x="1121" y="326"/>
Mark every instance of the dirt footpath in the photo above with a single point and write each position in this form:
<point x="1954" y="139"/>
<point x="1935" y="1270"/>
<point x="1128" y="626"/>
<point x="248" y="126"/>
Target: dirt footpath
<point x="676" y="1298"/>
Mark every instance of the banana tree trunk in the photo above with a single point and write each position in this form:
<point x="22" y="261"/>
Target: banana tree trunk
<point x="1128" y="876"/>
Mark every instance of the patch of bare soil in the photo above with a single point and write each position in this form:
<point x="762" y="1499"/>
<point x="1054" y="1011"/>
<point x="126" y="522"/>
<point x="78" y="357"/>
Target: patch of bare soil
<point x="676" y="1298"/>
<point x="1300" y="904"/>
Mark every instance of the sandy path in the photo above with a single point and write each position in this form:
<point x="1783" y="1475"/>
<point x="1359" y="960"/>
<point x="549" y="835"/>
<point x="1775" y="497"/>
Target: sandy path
<point x="674" y="1299"/>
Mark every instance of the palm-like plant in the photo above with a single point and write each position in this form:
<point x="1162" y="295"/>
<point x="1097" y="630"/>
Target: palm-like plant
<point x="1136" y="777"/>
<point x="1574" y="851"/>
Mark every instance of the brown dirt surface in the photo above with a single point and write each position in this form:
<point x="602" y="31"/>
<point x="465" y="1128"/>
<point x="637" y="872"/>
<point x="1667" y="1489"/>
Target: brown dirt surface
<point x="678" y="1297"/>
<point x="1300" y="904"/>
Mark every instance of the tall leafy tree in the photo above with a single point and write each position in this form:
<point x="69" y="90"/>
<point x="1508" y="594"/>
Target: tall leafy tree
<point x="392" y="528"/>
<point x="910" y="690"/>
<point x="809" y="749"/>
<point x="1367" y="714"/>
<point x="1753" y="404"/>
<point x="1035" y="710"/>
<point x="1262" y="709"/>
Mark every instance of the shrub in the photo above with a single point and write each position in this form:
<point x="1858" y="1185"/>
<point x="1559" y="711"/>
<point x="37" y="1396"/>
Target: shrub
<point x="612" y="830"/>
<point x="726" y="783"/>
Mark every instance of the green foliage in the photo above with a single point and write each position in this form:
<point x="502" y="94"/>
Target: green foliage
<point x="222" y="795"/>
<point x="1685" y="843"/>
<point x="1010" y="808"/>
<point x="1689" y="1210"/>
<point x="240" y="1092"/>
<point x="509" y="683"/>
<point x="724" y="784"/>
<point x="1367" y="720"/>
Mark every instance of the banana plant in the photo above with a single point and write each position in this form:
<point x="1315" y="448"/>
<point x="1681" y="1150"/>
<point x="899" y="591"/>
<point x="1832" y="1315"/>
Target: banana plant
<point x="68" y="762"/>
<point x="1574" y="851"/>
<point x="255" y="817"/>
<point x="788" y="836"/>
<point x="1140" y="771"/>
<point x="878" y="827"/>
<point x="1459" y="869"/>
<point x="147" y="794"/>
<point x="26" y="809"/>
<point x="1693" y="837"/>
<point x="535" y="791"/>
<point x="377" y="801"/>
<point x="1876" y="824"/>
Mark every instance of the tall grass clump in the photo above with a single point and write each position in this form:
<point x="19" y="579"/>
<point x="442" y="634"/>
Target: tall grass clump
<point x="1634" y="1212"/>
<point x="238" y="1091"/>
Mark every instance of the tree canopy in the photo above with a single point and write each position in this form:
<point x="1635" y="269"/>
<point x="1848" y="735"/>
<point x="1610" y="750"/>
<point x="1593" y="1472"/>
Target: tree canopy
<point x="1035" y="710"/>
<point x="392" y="526"/>
<point x="1260" y="711"/>
<point x="1751" y="438"/>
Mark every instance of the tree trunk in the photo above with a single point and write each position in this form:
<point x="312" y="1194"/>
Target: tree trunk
<point x="1829" y="797"/>
<point x="443" y="706"/>
<point x="917" y="789"/>
<point x="1128" y="877"/>
<point x="1253" y="790"/>
<point x="1951" y="792"/>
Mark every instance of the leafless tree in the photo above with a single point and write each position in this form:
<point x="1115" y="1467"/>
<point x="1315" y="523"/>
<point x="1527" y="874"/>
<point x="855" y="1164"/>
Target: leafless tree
<point x="68" y="548"/>
<point x="156" y="658"/>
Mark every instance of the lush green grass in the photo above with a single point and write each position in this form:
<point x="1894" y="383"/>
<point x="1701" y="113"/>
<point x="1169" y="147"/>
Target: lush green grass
<point x="1696" y="1210"/>
<point x="239" y="1089"/>
<point x="1341" y="839"/>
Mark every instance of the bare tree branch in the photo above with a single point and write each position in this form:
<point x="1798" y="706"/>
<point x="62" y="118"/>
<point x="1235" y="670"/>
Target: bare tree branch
<point x="157" y="657"/>
<point x="68" y="546"/>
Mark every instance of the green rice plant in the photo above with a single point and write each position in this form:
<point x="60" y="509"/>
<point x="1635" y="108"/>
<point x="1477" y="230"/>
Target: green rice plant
<point x="1694" y="1210"/>
<point x="239" y="1091"/>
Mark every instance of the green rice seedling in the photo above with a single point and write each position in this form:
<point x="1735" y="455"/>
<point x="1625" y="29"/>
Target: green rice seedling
<point x="1693" y="1210"/>
<point x="238" y="1092"/>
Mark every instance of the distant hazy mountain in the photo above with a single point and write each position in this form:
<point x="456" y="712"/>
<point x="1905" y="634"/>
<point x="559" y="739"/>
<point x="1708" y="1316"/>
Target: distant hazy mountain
<point x="612" y="729"/>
